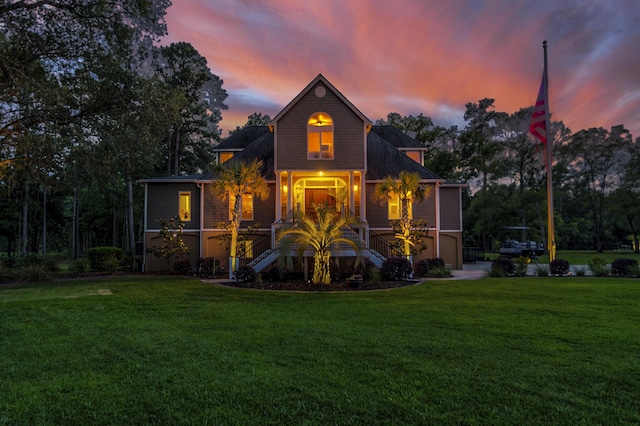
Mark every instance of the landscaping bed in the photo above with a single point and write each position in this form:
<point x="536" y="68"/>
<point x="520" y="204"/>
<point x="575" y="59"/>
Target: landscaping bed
<point x="307" y="286"/>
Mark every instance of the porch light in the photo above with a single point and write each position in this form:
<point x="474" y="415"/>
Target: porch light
<point x="285" y="188"/>
<point x="321" y="173"/>
<point x="355" y="187"/>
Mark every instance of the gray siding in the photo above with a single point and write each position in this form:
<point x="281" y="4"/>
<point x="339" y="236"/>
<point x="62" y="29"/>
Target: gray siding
<point x="349" y="137"/>
<point x="162" y="202"/>
<point x="378" y="215"/>
<point x="450" y="209"/>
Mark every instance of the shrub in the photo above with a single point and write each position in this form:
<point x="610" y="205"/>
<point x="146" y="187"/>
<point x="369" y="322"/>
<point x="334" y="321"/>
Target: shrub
<point x="425" y="265"/>
<point x="182" y="267"/>
<point x="396" y="269"/>
<point x="438" y="272"/>
<point x="245" y="274"/>
<point x="278" y="273"/>
<point x="598" y="266"/>
<point x="99" y="255"/>
<point x="81" y="264"/>
<point x="6" y="274"/>
<point x="365" y="268"/>
<point x="502" y="267"/>
<point x="559" y="267"/>
<point x="521" y="264"/>
<point x="422" y="268"/>
<point x="622" y="267"/>
<point x="34" y="273"/>
<point x="208" y="266"/>
<point x="334" y="272"/>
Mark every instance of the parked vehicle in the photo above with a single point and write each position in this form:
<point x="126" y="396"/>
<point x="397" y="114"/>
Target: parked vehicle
<point x="515" y="248"/>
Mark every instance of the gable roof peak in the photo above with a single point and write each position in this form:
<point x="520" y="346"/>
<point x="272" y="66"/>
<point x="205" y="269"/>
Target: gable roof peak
<point x="329" y="86"/>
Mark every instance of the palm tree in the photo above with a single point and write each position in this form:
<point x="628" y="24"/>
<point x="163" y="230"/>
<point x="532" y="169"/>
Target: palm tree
<point x="233" y="180"/>
<point x="407" y="188"/>
<point x="321" y="233"/>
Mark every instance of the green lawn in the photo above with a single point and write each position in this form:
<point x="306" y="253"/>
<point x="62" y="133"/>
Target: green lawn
<point x="165" y="350"/>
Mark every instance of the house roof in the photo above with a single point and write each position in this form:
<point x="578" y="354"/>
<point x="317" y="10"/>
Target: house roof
<point x="261" y="149"/>
<point x="239" y="140"/>
<point x="396" y="137"/>
<point x="320" y="78"/>
<point x="384" y="159"/>
<point x="383" y="156"/>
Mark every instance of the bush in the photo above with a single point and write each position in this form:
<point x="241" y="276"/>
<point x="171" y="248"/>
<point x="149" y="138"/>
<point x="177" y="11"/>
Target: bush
<point x="521" y="264"/>
<point x="365" y="268"/>
<point x="423" y="266"/>
<point x="278" y="273"/>
<point x="559" y="267"/>
<point x="396" y="269"/>
<point x="182" y="267"/>
<point x="581" y="271"/>
<point x="6" y="274"/>
<point x="208" y="266"/>
<point x="598" y="266"/>
<point x="34" y="273"/>
<point x="245" y="274"/>
<point x="623" y="267"/>
<point x="438" y="272"/>
<point x="99" y="255"/>
<point x="502" y="267"/>
<point x="81" y="264"/>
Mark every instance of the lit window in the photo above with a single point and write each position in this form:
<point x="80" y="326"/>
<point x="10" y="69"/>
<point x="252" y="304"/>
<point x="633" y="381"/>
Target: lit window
<point x="246" y="248"/>
<point x="246" y="207"/>
<point x="414" y="155"/>
<point x="395" y="208"/>
<point x="225" y="156"/>
<point x="184" y="206"/>
<point x="320" y="137"/>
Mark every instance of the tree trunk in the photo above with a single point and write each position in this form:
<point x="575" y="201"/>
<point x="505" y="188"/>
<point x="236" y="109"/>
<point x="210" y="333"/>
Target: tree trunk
<point x="132" y="234"/>
<point x="44" y="222"/>
<point x="176" y="154"/>
<point x="235" y="227"/>
<point x="25" y="212"/>
<point x="75" y="227"/>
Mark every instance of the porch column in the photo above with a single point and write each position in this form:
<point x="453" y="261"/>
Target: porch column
<point x="352" y="199"/>
<point x="278" y="196"/>
<point x="290" y="192"/>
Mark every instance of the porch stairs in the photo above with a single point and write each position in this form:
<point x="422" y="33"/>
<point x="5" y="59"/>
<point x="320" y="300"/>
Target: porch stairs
<point x="263" y="251"/>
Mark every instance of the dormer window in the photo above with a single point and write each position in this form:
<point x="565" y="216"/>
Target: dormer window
<point x="320" y="137"/>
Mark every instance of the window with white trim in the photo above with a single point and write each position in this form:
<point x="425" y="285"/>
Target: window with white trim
<point x="320" y="137"/>
<point x="394" y="206"/>
<point x="246" y="207"/>
<point x="184" y="206"/>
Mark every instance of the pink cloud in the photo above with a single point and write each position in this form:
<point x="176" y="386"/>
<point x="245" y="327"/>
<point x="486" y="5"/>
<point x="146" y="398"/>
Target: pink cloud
<point x="429" y="57"/>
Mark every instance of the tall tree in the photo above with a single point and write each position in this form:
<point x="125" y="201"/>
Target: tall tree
<point x="599" y="157"/>
<point x="478" y="147"/>
<point x="233" y="179"/>
<point x="191" y="134"/>
<point x="255" y="119"/>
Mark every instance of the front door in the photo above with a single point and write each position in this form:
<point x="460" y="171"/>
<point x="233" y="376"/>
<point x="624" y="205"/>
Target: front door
<point x="317" y="196"/>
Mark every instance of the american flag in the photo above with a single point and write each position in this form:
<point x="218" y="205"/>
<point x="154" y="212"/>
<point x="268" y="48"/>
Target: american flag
<point x="538" y="125"/>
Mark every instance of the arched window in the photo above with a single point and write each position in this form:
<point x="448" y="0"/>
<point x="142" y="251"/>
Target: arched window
<point x="320" y="137"/>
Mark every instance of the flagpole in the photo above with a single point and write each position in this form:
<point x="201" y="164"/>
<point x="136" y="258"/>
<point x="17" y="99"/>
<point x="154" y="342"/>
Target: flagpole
<point x="551" y="237"/>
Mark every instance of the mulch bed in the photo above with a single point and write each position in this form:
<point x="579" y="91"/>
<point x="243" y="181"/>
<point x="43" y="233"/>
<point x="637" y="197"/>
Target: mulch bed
<point x="307" y="286"/>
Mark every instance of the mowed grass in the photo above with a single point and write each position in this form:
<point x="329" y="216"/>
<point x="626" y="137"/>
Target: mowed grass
<point x="165" y="350"/>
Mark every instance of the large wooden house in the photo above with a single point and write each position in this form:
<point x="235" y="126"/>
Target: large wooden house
<point x="320" y="149"/>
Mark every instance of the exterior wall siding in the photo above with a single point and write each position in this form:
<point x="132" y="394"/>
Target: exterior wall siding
<point x="162" y="201"/>
<point x="378" y="215"/>
<point x="155" y="264"/>
<point x="450" y="209"/>
<point x="349" y="137"/>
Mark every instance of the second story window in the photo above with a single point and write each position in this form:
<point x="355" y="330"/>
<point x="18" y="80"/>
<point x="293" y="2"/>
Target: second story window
<point x="320" y="137"/>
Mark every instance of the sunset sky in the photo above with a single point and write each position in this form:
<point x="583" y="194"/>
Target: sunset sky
<point x="422" y="56"/>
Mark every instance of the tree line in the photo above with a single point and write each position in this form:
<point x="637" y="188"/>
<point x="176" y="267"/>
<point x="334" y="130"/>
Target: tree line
<point x="90" y="104"/>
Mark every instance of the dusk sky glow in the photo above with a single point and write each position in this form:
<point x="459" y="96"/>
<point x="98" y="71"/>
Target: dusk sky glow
<point x="422" y="56"/>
